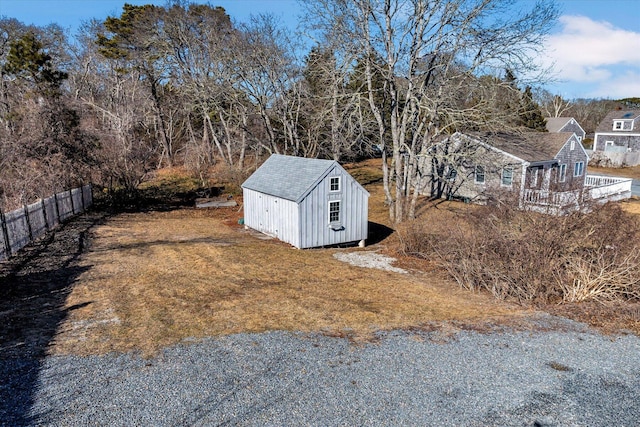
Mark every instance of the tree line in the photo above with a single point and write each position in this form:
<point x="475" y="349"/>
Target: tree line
<point x="184" y="85"/>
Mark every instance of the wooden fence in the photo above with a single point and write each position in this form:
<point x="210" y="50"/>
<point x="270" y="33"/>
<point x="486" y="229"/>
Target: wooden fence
<point x="20" y="227"/>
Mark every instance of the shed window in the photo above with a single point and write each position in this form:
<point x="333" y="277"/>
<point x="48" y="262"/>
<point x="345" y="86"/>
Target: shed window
<point x="479" y="175"/>
<point x="578" y="169"/>
<point x="334" y="183"/>
<point x="507" y="176"/>
<point x="334" y="211"/>
<point x="563" y="172"/>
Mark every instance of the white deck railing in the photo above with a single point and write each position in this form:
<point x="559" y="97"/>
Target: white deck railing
<point x="606" y="186"/>
<point x="551" y="198"/>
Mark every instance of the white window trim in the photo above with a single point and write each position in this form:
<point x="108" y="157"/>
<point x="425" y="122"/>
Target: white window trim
<point x="339" y="184"/>
<point x="616" y="123"/>
<point x="563" y="173"/>
<point x="475" y="175"/>
<point x="510" y="184"/>
<point x="608" y="143"/>
<point x="573" y="145"/>
<point x="578" y="167"/>
<point x="332" y="202"/>
<point x="579" y="138"/>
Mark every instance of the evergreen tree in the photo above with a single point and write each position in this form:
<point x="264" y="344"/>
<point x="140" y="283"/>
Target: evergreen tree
<point x="529" y="112"/>
<point x="28" y="60"/>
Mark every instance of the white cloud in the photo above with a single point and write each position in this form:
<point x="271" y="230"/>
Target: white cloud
<point x="588" y="51"/>
<point x="625" y="85"/>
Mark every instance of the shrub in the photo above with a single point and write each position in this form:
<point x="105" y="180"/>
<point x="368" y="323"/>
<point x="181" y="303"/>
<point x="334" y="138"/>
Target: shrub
<point x="532" y="257"/>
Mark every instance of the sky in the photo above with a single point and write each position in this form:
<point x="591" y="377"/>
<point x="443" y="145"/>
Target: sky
<point x="594" y="48"/>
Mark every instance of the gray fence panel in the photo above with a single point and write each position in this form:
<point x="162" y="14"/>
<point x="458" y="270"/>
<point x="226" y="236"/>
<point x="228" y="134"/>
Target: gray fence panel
<point x="78" y="203"/>
<point x="17" y="228"/>
<point x="65" y="206"/>
<point x="3" y="254"/>
<point x="52" y="213"/>
<point x="37" y="221"/>
<point x="88" y="196"/>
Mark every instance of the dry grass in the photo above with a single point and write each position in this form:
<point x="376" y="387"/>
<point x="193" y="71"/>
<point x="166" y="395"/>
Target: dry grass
<point x="158" y="278"/>
<point x="627" y="172"/>
<point x="631" y="205"/>
<point x="155" y="279"/>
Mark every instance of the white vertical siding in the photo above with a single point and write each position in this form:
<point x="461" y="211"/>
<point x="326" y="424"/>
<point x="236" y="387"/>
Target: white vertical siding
<point x="314" y="212"/>
<point x="307" y="225"/>
<point x="271" y="215"/>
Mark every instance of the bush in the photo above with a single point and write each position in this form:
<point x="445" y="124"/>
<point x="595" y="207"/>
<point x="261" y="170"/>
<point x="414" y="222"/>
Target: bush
<point x="535" y="258"/>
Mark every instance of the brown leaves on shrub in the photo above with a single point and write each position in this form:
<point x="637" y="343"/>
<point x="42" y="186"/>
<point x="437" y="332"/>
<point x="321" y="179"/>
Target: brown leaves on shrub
<point x="534" y="258"/>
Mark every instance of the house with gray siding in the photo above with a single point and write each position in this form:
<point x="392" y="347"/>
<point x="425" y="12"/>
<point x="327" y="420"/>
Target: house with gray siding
<point x="617" y="138"/>
<point x="542" y="170"/>
<point x="565" y="124"/>
<point x="306" y="202"/>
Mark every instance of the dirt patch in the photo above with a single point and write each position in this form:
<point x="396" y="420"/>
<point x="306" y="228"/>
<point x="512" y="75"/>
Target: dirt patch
<point x="369" y="260"/>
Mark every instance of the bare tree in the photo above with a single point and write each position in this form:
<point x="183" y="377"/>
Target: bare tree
<point x="425" y="51"/>
<point x="552" y="105"/>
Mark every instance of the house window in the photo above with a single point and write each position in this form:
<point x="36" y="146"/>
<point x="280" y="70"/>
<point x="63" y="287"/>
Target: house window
<point x="334" y="211"/>
<point x="563" y="173"/>
<point x="479" y="175"/>
<point x="334" y="183"/>
<point x="507" y="176"/>
<point x="451" y="176"/>
<point x="579" y="138"/>
<point x="534" y="176"/>
<point x="578" y="168"/>
<point x="573" y="145"/>
<point x="608" y="144"/>
<point x="617" y="125"/>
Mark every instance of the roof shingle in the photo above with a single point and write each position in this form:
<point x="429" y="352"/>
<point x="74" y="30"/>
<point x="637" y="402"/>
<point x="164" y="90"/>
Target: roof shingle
<point x="288" y="177"/>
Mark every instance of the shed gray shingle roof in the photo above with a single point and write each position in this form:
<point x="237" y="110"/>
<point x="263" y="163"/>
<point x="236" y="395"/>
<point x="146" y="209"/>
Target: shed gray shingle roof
<point x="288" y="177"/>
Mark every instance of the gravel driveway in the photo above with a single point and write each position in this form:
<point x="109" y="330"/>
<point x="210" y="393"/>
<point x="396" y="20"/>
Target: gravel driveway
<point x="567" y="377"/>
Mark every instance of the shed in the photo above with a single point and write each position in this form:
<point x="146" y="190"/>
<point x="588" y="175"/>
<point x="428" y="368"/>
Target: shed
<point x="306" y="202"/>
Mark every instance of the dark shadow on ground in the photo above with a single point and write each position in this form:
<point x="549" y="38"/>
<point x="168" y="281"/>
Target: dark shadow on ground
<point x="34" y="286"/>
<point x="377" y="233"/>
<point x="162" y="197"/>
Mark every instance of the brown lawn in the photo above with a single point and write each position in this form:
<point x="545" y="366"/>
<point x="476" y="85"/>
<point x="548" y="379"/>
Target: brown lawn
<point x="158" y="278"/>
<point x="155" y="279"/>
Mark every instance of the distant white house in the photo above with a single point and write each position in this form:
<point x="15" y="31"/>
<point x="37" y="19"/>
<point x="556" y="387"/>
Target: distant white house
<point x="617" y="138"/>
<point x="306" y="202"/>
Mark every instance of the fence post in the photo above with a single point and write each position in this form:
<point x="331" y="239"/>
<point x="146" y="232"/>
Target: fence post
<point x="5" y="235"/>
<point x="73" y="209"/>
<point x="25" y="208"/>
<point x="55" y="199"/>
<point x="82" y="198"/>
<point x="44" y="215"/>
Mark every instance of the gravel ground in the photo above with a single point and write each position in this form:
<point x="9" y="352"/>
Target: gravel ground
<point x="566" y="377"/>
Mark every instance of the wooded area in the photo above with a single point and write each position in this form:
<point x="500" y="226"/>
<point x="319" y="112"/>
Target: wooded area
<point x="184" y="85"/>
